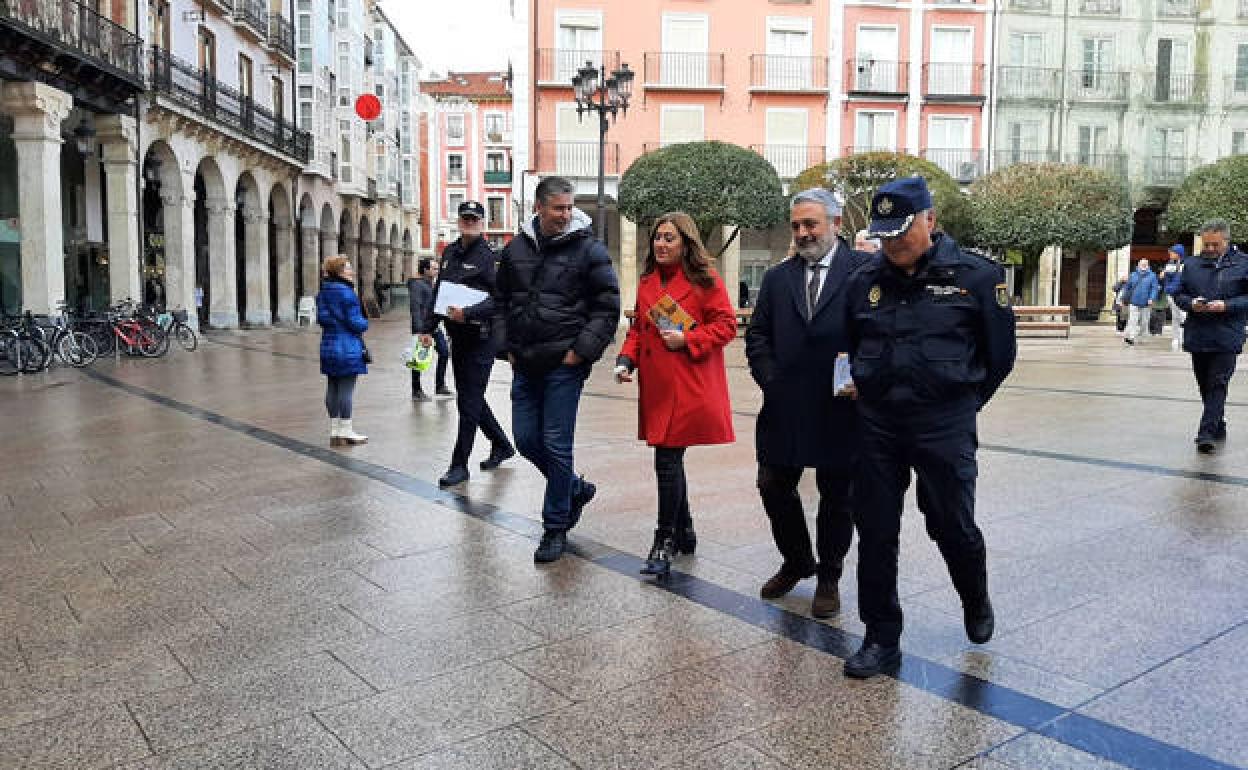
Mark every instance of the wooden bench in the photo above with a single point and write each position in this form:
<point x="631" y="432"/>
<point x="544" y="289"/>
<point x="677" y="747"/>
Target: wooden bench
<point x="1042" y="318"/>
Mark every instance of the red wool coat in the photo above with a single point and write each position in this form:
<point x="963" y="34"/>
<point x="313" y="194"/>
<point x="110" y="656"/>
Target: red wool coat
<point x="684" y="393"/>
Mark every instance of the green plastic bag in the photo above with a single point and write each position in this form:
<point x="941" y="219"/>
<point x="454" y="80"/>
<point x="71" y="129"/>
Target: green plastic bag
<point x="421" y="356"/>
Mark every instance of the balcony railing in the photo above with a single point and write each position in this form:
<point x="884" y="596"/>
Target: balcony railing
<point x="1009" y="157"/>
<point x="690" y="71"/>
<point x="953" y="81"/>
<point x="556" y="66"/>
<point x="73" y="25"/>
<point x="1166" y="172"/>
<point x="1097" y="86"/>
<point x="864" y="75"/>
<point x="577" y="159"/>
<point x="253" y="17"/>
<point x="1030" y="5"/>
<point x="1114" y="163"/>
<point x="1242" y="9"/>
<point x="1029" y="83"/>
<point x="1100" y="7"/>
<point x="788" y="73"/>
<point x="498" y="177"/>
<point x="865" y="148"/>
<point x="226" y="6"/>
<point x="282" y="35"/>
<point x="964" y="165"/>
<point x="789" y="160"/>
<point x="204" y="95"/>
<point x="1177" y="9"/>
<point x="1174" y="88"/>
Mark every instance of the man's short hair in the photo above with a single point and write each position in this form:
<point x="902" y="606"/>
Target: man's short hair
<point x="423" y="265"/>
<point x="553" y="185"/>
<point x="1220" y="226"/>
<point x="824" y="197"/>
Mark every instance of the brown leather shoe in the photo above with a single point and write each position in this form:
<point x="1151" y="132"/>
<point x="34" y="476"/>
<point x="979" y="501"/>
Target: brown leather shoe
<point x="780" y="584"/>
<point x="827" y="600"/>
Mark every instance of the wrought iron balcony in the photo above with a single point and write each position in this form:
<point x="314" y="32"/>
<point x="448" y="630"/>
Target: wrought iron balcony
<point x="865" y="75"/>
<point x="789" y="160"/>
<point x="252" y="17"/>
<point x="952" y="82"/>
<point x="201" y="93"/>
<point x="1097" y="86"/>
<point x="865" y="148"/>
<point x="1173" y="88"/>
<point x="1114" y="163"/>
<point x="1100" y="7"/>
<point x="282" y="35"/>
<point x="1011" y="156"/>
<point x="1177" y="9"/>
<point x="1024" y="83"/>
<point x="556" y="66"/>
<point x="1242" y="9"/>
<point x="576" y="159"/>
<point x="964" y="165"/>
<point x="225" y="6"/>
<point x="795" y="74"/>
<point x="684" y="71"/>
<point x="67" y="44"/>
<point x="1166" y="172"/>
<point x="498" y="177"/>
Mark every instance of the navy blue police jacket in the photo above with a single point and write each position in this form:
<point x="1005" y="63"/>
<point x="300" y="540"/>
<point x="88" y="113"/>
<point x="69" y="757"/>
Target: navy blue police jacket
<point x="792" y="357"/>
<point x="473" y="266"/>
<point x="941" y="338"/>
<point x="1224" y="278"/>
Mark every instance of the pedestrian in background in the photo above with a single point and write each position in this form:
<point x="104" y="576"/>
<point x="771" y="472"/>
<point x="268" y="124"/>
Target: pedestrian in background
<point x="426" y="327"/>
<point x="1214" y="292"/>
<point x="1171" y="278"/>
<point x="680" y="371"/>
<point x="557" y="307"/>
<point x="343" y="355"/>
<point x="931" y="337"/>
<point x="1139" y="294"/>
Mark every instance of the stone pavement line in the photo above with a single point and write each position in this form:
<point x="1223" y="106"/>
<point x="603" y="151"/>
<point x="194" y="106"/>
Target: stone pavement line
<point x="1088" y="734"/>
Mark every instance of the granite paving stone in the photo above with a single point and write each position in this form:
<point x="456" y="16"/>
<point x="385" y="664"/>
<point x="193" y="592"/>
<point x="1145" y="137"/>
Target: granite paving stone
<point x="297" y="744"/>
<point x="731" y="756"/>
<point x="508" y="749"/>
<point x="97" y="738"/>
<point x="1035" y="752"/>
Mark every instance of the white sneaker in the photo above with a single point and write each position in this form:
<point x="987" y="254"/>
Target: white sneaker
<point x="347" y="434"/>
<point x="1174" y="346"/>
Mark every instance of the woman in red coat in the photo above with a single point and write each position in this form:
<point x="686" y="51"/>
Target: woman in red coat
<point x="682" y="321"/>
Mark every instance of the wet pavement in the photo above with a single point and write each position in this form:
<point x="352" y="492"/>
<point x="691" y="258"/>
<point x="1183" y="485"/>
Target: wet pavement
<point x="190" y="577"/>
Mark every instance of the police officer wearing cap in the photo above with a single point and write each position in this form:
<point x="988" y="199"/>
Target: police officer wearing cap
<point x="931" y="337"/>
<point x="469" y="261"/>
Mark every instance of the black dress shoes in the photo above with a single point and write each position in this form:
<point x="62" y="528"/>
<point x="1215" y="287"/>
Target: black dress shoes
<point x="554" y="542"/>
<point x="685" y="540"/>
<point x="780" y="584"/>
<point x="979" y="621"/>
<point x="659" y="562"/>
<point x="873" y="659"/>
<point x="827" y="601"/>
<point x="498" y="456"/>
<point x="1205" y="445"/>
<point x="456" y="474"/>
<point x="581" y="498"/>
<point x="442" y="390"/>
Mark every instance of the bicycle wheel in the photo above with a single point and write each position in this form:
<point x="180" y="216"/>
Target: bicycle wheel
<point x="187" y="338"/>
<point x="9" y="355"/>
<point x="150" y="342"/>
<point x="34" y="354"/>
<point x="77" y="349"/>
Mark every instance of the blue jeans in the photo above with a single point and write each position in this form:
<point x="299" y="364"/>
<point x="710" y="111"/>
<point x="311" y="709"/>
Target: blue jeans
<point x="338" y="392"/>
<point x="543" y="421"/>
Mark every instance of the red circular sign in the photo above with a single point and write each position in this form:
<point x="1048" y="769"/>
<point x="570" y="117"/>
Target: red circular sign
<point x="368" y="106"/>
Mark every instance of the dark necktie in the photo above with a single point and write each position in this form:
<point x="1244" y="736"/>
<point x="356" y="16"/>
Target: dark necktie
<point x="812" y="289"/>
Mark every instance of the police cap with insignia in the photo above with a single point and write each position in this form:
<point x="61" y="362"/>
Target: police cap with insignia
<point x="471" y="209"/>
<point x="896" y="204"/>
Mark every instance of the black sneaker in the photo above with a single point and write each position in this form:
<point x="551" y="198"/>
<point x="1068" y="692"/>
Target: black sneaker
<point x="442" y="390"/>
<point x="1205" y="445"/>
<point x="554" y="541"/>
<point x="1220" y="433"/>
<point x="456" y="474"/>
<point x="872" y="659"/>
<point x="581" y="499"/>
<point x="420" y="395"/>
<point x="497" y="457"/>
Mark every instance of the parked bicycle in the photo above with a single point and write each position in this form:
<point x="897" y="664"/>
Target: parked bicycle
<point x="175" y="326"/>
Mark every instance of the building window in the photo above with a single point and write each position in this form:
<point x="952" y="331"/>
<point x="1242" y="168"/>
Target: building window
<point x="678" y="124"/>
<point x="579" y="40"/>
<point x="875" y="131"/>
<point x="305" y="115"/>
<point x="207" y="52"/>
<point x="279" y="97"/>
<point x="495" y="162"/>
<point x="455" y="168"/>
<point x="452" y="205"/>
<point x="1093" y="144"/>
<point x="244" y="76"/>
<point x="344" y="66"/>
<point x="1023" y="141"/>
<point x="455" y="129"/>
<point x="875" y="61"/>
<point x="683" y="61"/>
<point x="1098" y="60"/>
<point x="494" y="213"/>
<point x="159" y="22"/>
<point x="494" y="124"/>
<point x="788" y="53"/>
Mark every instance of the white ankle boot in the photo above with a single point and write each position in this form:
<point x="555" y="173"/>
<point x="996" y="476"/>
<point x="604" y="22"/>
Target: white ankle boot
<point x="335" y="431"/>
<point x="347" y="434"/>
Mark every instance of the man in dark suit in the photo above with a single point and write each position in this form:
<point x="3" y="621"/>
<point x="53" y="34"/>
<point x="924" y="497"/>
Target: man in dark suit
<point x="795" y="334"/>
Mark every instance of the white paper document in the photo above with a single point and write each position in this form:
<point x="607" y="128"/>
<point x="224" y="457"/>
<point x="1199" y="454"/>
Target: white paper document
<point x="841" y="376"/>
<point x="451" y="293"/>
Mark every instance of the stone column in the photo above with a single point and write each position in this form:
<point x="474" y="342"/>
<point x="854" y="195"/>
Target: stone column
<point x="180" y="254"/>
<point x="222" y="275"/>
<point x="351" y="249"/>
<point x="256" y="241"/>
<point x="730" y="263"/>
<point x="409" y="265"/>
<point x="1116" y="263"/>
<point x="1046" y="275"/>
<point x="382" y="266"/>
<point x="366" y="266"/>
<point x="118" y="147"/>
<point x="628" y="266"/>
<point x="284" y="245"/>
<point x="38" y="111"/>
<point x="313" y="243"/>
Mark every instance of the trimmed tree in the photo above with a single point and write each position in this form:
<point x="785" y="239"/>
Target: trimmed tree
<point x="716" y="183"/>
<point x="1028" y="207"/>
<point x="857" y="177"/>
<point x="1216" y="191"/>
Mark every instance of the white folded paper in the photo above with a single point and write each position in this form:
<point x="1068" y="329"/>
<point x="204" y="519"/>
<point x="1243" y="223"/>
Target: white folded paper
<point x="456" y="294"/>
<point x="841" y="376"/>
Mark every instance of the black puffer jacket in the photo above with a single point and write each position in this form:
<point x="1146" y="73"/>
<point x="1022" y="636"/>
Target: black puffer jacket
<point x="562" y="295"/>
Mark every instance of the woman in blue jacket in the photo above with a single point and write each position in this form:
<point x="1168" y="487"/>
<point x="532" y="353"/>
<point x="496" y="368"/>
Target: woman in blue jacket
<point x="342" y="346"/>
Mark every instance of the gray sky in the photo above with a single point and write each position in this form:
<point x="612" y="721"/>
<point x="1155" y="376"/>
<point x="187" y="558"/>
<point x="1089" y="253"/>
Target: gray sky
<point x="464" y="35"/>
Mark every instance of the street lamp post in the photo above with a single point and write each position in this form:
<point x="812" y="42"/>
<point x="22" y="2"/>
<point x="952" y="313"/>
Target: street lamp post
<point x="612" y="95"/>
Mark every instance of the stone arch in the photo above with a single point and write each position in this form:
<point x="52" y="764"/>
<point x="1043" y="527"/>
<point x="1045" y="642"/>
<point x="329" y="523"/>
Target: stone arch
<point x="398" y="265"/>
<point x="251" y="236"/>
<point x="366" y="256"/>
<point x="308" y="247"/>
<point x="168" y="230"/>
<point x="409" y="255"/>
<point x="214" y="215"/>
<point x="281" y="255"/>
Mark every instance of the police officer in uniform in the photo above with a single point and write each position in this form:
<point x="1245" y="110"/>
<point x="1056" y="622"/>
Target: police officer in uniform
<point x="931" y="336"/>
<point x="470" y="261"/>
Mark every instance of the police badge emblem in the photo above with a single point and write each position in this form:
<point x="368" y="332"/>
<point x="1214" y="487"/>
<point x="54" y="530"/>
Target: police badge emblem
<point x="884" y="207"/>
<point x="1002" y="293"/>
<point x="873" y="296"/>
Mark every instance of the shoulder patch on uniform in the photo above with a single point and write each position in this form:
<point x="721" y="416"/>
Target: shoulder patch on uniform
<point x="1002" y="293"/>
<point x="874" y="295"/>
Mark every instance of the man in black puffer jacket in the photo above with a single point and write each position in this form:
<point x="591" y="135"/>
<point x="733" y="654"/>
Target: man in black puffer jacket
<point x="557" y="305"/>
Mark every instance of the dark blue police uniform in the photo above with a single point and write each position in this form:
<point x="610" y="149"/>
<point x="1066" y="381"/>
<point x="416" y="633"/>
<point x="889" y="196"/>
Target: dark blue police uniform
<point x="472" y="355"/>
<point x="928" y="349"/>
<point x="1215" y="340"/>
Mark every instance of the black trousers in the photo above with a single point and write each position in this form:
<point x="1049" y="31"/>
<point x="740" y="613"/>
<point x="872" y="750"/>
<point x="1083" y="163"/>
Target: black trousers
<point x="439" y="347"/>
<point x="834" y="528"/>
<point x="669" y="470"/>
<point x="940" y="448"/>
<point x="473" y="361"/>
<point x="1213" y="377"/>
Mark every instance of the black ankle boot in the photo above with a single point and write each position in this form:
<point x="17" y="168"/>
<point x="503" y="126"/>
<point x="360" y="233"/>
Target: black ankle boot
<point x="686" y="540"/>
<point x="659" y="562"/>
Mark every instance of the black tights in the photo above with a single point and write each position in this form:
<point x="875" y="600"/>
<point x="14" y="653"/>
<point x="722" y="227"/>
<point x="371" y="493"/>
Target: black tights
<point x="669" y="470"/>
